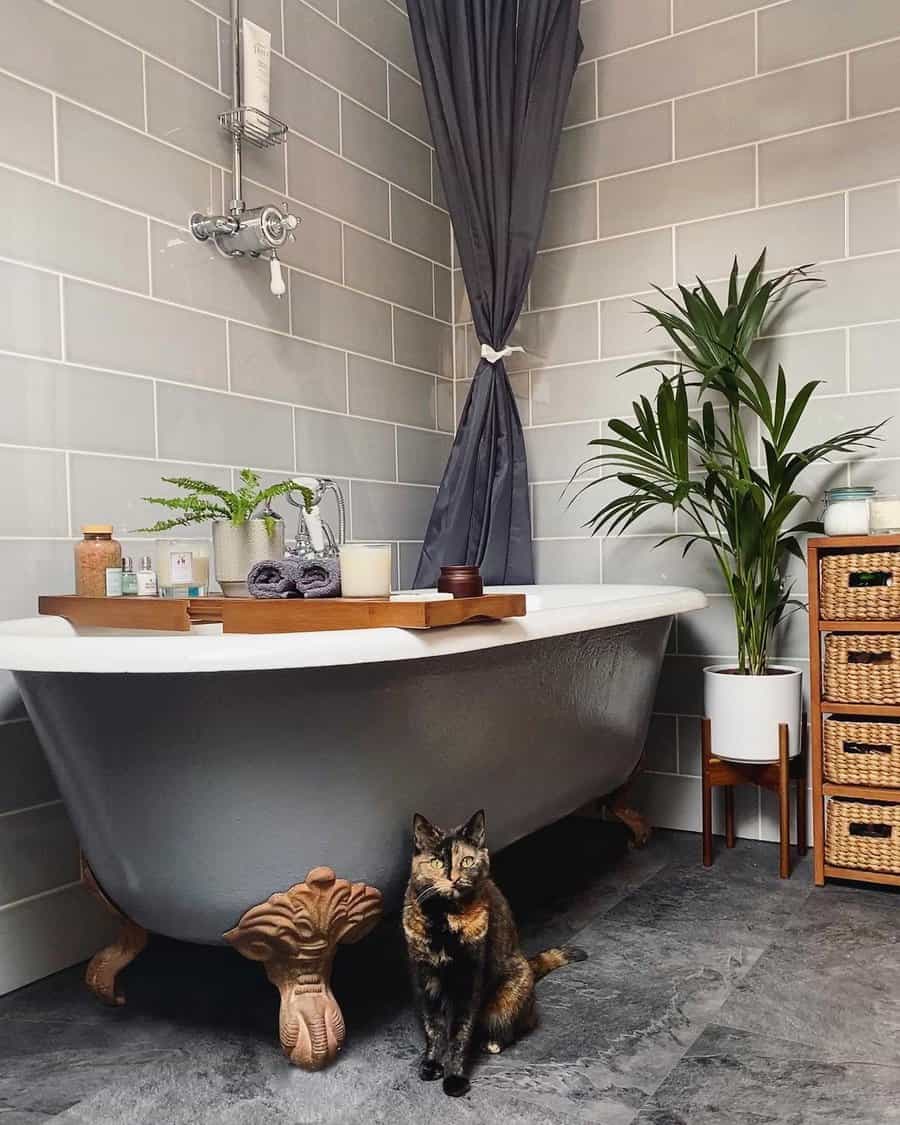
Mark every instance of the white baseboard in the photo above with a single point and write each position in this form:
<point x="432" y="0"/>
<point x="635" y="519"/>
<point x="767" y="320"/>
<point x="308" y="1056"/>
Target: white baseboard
<point x="49" y="932"/>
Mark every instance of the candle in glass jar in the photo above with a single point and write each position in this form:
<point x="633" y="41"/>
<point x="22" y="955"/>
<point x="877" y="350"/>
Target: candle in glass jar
<point x="884" y="515"/>
<point x="182" y="568"/>
<point x="365" y="570"/>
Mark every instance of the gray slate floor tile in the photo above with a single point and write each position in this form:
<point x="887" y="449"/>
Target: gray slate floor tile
<point x="709" y="997"/>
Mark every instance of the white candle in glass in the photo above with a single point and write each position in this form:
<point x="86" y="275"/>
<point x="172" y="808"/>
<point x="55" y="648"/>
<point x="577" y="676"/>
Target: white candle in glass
<point x="365" y="570"/>
<point x="884" y="515"/>
<point x="182" y="566"/>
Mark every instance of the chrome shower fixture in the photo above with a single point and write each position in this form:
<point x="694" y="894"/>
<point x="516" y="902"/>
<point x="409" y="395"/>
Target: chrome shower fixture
<point x="315" y="539"/>
<point x="256" y="232"/>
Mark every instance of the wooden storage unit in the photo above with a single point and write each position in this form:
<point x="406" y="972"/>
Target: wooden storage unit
<point x="854" y="743"/>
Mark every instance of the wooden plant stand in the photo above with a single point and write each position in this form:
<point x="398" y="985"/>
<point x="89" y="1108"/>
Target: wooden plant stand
<point x="776" y="776"/>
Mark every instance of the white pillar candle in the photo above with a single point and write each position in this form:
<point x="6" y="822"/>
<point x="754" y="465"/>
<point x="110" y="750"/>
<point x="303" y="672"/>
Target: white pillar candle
<point x="884" y="514"/>
<point x="366" y="570"/>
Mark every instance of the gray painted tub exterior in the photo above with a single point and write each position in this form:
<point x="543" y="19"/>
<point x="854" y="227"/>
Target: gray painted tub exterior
<point x="196" y="795"/>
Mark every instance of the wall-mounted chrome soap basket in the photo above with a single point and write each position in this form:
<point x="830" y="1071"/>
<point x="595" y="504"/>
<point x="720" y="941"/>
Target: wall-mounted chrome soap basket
<point x="257" y="232"/>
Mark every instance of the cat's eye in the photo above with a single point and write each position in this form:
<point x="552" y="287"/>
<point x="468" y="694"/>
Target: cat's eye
<point x="467" y="861"/>
<point x="436" y="863"/>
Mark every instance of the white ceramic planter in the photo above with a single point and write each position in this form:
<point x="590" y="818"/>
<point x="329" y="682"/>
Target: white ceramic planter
<point x="237" y="549"/>
<point x="745" y="711"/>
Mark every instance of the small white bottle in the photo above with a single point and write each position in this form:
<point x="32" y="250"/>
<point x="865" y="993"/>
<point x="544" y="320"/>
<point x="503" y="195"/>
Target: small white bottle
<point x="146" y="578"/>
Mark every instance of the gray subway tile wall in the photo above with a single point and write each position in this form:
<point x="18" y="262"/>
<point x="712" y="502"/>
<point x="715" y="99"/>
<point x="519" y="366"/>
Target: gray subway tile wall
<point x="717" y="126"/>
<point x="128" y="351"/>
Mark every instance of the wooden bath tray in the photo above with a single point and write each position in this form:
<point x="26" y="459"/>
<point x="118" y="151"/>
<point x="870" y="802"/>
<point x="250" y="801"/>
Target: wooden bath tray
<point x="291" y="615"/>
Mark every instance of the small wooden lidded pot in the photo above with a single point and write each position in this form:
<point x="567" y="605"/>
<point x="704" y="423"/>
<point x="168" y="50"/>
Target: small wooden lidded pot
<point x="461" y="581"/>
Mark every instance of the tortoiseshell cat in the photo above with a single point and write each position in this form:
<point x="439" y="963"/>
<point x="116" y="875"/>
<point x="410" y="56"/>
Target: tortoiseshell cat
<point x="471" y="978"/>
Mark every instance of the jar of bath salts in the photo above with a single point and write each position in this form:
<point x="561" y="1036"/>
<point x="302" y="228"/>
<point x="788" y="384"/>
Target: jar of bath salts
<point x="96" y="553"/>
<point x="884" y="515"/>
<point x="847" y="510"/>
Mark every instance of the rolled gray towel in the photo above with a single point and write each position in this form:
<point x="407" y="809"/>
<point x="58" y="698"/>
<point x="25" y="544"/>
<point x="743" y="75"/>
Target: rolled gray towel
<point x="275" y="578"/>
<point x="319" y="578"/>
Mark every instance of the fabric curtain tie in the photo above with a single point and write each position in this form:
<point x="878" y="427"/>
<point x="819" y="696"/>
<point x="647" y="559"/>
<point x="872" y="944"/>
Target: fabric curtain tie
<point x="488" y="353"/>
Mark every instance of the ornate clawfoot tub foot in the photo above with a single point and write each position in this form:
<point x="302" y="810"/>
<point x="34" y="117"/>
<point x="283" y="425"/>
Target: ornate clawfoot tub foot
<point x="295" y="934"/>
<point x="636" y="823"/>
<point x="106" y="965"/>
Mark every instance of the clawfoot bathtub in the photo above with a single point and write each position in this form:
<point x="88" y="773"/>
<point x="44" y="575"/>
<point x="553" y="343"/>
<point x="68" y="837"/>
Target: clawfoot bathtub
<point x="206" y="774"/>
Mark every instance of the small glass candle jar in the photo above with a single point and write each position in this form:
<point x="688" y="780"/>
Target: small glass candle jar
<point x="182" y="568"/>
<point x="365" y="570"/>
<point x="847" y="511"/>
<point x="884" y="515"/>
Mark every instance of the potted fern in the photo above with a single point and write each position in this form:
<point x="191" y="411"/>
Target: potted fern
<point x="694" y="450"/>
<point x="245" y="529"/>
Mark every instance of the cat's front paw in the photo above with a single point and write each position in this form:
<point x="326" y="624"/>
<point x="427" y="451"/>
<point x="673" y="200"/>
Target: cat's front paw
<point x="430" y="1069"/>
<point x="455" y="1085"/>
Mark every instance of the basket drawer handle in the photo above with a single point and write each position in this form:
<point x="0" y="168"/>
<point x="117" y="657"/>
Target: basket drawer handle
<point x="869" y="657"/>
<point x="874" y="831"/>
<point x="866" y="748"/>
<point x="867" y="579"/>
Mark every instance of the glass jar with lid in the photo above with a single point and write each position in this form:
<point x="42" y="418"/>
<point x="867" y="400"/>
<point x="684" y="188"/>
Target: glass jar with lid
<point x="847" y="510"/>
<point x="94" y="555"/>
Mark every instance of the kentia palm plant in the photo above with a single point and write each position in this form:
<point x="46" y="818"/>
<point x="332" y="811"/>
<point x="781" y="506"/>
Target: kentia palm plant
<point x="694" y="450"/>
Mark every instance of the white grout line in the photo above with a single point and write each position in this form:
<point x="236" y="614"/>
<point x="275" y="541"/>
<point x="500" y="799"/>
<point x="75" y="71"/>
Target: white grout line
<point x="149" y="260"/>
<point x="731" y="82"/>
<point x="368" y="46"/>
<point x="39" y="895"/>
<point x="214" y="315"/>
<point x="30" y="808"/>
<point x="144" y="87"/>
<point x="155" y="420"/>
<point x="68" y="467"/>
<point x="756" y="174"/>
<point x="55" y="127"/>
<point x="188" y="152"/>
<point x="221" y="391"/>
<point x="62" y="320"/>
<point x="756" y="42"/>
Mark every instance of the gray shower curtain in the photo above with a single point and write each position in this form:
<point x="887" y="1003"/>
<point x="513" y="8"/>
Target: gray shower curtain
<point x="496" y="75"/>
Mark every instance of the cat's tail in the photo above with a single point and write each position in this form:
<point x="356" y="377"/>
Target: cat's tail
<point x="550" y="959"/>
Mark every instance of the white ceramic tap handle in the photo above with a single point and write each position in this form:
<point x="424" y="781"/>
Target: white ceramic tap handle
<point x="276" y="278"/>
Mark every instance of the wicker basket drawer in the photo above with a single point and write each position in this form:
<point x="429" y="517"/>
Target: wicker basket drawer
<point x="862" y="751"/>
<point x="862" y="667"/>
<point x="860" y="587"/>
<point x="863" y="835"/>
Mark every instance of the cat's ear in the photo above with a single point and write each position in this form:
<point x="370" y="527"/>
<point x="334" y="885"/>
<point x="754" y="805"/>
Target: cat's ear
<point x="426" y="836"/>
<point x="473" y="830"/>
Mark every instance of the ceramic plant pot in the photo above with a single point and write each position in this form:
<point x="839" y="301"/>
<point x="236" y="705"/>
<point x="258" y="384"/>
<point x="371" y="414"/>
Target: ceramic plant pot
<point x="237" y="549"/>
<point x="745" y="711"/>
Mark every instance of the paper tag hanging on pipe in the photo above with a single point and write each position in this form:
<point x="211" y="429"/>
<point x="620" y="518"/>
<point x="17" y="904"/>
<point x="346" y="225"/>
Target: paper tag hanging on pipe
<point x="256" y="68"/>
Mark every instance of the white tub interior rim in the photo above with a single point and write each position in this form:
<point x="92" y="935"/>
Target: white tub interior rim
<point x="51" y="644"/>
